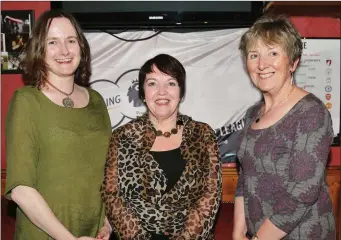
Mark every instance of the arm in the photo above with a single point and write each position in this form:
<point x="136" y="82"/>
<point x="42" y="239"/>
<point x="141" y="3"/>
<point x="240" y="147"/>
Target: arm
<point x="39" y="213"/>
<point x="21" y="167"/>
<point x="304" y="174"/>
<point x="239" y="224"/>
<point x="123" y="220"/>
<point x="202" y="216"/>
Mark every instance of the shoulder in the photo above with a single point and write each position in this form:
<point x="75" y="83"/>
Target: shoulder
<point x="26" y="94"/>
<point x="200" y="126"/>
<point x="130" y="126"/>
<point x="96" y="96"/>
<point x="311" y="114"/>
<point x="310" y="105"/>
<point x="253" y="110"/>
<point x="26" y="91"/>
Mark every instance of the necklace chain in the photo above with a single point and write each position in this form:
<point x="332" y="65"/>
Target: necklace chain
<point x="67" y="101"/>
<point x="273" y="106"/>
<point x="66" y="94"/>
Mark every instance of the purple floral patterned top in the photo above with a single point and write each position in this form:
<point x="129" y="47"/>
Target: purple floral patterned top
<point x="282" y="174"/>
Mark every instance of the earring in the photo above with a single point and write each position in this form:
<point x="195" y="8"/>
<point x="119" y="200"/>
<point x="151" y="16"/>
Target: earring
<point x="292" y="78"/>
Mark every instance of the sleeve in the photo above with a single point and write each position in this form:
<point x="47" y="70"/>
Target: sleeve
<point x="240" y="183"/>
<point x="305" y="170"/>
<point x="21" y="147"/>
<point x="201" y="217"/>
<point x="124" y="222"/>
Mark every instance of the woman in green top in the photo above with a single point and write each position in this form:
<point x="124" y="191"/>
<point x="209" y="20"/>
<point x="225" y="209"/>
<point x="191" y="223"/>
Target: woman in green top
<point x="57" y="134"/>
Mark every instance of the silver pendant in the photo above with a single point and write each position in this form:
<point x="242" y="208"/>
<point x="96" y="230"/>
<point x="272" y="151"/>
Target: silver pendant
<point x="67" y="102"/>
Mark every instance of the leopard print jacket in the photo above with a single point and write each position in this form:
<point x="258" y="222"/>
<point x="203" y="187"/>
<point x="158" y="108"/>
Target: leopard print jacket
<point x="133" y="186"/>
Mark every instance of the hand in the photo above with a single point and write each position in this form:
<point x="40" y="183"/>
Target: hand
<point x="103" y="233"/>
<point x="240" y="237"/>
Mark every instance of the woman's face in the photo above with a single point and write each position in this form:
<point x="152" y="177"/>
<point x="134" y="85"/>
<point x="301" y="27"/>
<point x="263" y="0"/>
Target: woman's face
<point x="269" y="66"/>
<point x="62" y="48"/>
<point x="162" y="94"/>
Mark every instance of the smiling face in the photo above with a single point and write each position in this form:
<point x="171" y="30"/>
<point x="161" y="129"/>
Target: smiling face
<point x="269" y="66"/>
<point x="162" y="94"/>
<point x="62" y="48"/>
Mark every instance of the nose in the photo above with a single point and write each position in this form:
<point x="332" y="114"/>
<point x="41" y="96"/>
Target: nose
<point x="162" y="89"/>
<point x="263" y="62"/>
<point x="64" y="49"/>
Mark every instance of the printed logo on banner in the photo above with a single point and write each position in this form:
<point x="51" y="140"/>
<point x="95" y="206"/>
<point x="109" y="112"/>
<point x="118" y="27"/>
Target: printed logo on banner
<point x="121" y="97"/>
<point x="228" y="140"/>
<point x="328" y="80"/>
<point x="328" y="88"/>
<point x="329" y="71"/>
<point x="328" y="62"/>
<point x="328" y="105"/>
<point x="328" y="96"/>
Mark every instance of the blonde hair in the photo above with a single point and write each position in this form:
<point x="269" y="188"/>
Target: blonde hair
<point x="273" y="29"/>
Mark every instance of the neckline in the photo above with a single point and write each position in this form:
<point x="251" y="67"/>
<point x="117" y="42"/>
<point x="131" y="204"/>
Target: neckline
<point x="59" y="106"/>
<point x="165" y="151"/>
<point x="281" y="119"/>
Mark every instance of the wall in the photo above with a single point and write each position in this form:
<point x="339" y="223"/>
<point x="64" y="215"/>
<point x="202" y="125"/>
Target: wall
<point x="307" y="26"/>
<point x="10" y="82"/>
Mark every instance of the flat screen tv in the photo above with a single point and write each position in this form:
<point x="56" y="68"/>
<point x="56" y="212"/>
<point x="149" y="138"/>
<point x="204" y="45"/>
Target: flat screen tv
<point x="161" y="14"/>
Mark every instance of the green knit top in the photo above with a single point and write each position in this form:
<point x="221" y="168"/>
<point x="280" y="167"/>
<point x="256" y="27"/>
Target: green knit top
<point x="61" y="153"/>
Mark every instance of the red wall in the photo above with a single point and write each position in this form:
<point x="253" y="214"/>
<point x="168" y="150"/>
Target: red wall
<point x="307" y="26"/>
<point x="10" y="82"/>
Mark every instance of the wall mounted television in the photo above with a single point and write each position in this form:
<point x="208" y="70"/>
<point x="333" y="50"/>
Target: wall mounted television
<point x="161" y="14"/>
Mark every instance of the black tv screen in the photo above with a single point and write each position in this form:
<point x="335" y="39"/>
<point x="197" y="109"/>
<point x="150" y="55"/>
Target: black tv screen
<point x="150" y="14"/>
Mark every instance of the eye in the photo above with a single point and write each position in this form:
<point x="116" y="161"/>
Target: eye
<point x="273" y="54"/>
<point x="253" y="55"/>
<point x="173" y="83"/>
<point x="52" y="43"/>
<point x="151" y="84"/>
<point x="72" y="41"/>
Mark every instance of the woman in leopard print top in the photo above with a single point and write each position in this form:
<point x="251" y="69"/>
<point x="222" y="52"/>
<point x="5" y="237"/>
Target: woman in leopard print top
<point x="162" y="186"/>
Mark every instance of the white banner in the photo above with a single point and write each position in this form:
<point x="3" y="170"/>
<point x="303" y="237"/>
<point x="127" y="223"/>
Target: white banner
<point x="218" y="89"/>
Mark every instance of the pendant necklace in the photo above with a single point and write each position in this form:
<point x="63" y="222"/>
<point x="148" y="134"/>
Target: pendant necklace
<point x="272" y="107"/>
<point x="67" y="101"/>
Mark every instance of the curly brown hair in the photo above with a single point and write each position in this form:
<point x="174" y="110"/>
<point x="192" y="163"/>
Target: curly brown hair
<point x="33" y="55"/>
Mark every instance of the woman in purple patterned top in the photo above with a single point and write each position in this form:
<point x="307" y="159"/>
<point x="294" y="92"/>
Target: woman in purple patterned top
<point x="282" y="191"/>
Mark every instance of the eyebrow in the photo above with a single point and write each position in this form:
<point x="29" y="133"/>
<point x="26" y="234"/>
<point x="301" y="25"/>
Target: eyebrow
<point x="169" y="79"/>
<point x="56" y="38"/>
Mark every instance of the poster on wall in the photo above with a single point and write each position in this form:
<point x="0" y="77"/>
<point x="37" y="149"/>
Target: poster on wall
<point x="16" y="28"/>
<point x="319" y="73"/>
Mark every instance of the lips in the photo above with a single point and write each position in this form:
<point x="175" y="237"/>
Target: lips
<point x="266" y="75"/>
<point x="162" y="101"/>
<point x="65" y="60"/>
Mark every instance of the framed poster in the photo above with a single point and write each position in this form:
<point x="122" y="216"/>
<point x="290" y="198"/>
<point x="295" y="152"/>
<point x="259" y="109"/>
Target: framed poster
<point x="319" y="73"/>
<point x="16" y="27"/>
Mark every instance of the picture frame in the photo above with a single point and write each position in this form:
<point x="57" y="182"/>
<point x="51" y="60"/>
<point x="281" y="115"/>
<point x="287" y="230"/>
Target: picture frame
<point x="16" y="27"/>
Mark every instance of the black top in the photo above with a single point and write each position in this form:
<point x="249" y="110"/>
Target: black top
<point x="172" y="164"/>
